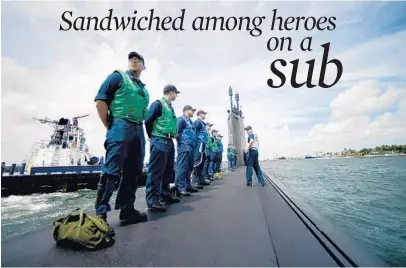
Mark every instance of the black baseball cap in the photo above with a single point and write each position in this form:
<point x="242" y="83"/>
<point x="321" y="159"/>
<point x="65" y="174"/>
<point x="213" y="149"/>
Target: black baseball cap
<point x="201" y="112"/>
<point x="248" y="128"/>
<point x="137" y="55"/>
<point x="189" y="108"/>
<point x="170" y="88"/>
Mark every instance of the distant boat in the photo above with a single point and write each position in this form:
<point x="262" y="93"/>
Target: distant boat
<point x="314" y="156"/>
<point x="311" y="156"/>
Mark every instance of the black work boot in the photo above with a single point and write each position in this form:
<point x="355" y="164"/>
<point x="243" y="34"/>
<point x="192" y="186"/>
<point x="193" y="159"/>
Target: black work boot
<point x="192" y="189"/>
<point x="130" y="215"/>
<point x="157" y="207"/>
<point x="198" y="186"/>
<point x="170" y="200"/>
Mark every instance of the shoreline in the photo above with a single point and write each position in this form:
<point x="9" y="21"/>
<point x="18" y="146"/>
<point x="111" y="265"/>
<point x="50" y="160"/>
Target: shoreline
<point x="335" y="157"/>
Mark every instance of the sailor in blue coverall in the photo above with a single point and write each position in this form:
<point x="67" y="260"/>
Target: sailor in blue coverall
<point x="125" y="141"/>
<point x="200" y="151"/>
<point x="187" y="142"/>
<point x="220" y="153"/>
<point x="252" y="160"/>
<point x="212" y="155"/>
<point x="160" y="125"/>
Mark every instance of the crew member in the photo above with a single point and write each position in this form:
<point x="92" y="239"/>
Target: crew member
<point x="160" y="125"/>
<point x="211" y="158"/>
<point x="252" y="161"/>
<point x="187" y="142"/>
<point x="232" y="156"/>
<point x="200" y="151"/>
<point x="122" y="103"/>
<point x="219" y="154"/>
<point x="229" y="156"/>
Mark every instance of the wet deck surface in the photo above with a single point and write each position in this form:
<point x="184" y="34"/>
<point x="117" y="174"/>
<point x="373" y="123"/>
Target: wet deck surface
<point x="226" y="224"/>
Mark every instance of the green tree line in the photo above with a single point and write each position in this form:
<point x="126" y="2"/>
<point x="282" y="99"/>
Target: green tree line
<point x="379" y="149"/>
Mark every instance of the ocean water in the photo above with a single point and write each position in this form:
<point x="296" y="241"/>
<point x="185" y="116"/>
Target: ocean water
<point x="23" y="214"/>
<point x="364" y="196"/>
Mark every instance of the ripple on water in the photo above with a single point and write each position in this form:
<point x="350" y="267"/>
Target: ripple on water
<point x="364" y="196"/>
<point x="22" y="214"/>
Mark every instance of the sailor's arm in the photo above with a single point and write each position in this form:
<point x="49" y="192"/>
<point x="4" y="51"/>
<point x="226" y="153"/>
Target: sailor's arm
<point x="197" y="125"/>
<point x="250" y="141"/>
<point x="154" y="111"/>
<point x="180" y="126"/>
<point x="106" y="95"/>
<point x="103" y="111"/>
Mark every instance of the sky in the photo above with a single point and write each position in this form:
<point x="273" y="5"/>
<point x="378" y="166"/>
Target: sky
<point x="50" y="73"/>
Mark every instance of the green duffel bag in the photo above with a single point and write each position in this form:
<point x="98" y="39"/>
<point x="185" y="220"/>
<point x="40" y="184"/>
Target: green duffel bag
<point x="79" y="230"/>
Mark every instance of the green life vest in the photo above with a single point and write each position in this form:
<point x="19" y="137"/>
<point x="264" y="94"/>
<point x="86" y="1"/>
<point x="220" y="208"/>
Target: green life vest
<point x="130" y="101"/>
<point x="229" y="152"/>
<point x="165" y="125"/>
<point x="212" y="144"/>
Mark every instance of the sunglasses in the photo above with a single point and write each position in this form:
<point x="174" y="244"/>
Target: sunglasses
<point x="136" y="60"/>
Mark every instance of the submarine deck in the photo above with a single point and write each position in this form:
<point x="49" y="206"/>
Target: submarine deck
<point x="225" y="224"/>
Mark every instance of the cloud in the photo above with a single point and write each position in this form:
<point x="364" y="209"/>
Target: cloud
<point x="351" y="124"/>
<point x="364" y="98"/>
<point x="58" y="74"/>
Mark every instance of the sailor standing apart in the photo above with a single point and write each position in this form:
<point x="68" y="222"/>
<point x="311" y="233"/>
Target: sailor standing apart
<point x="122" y="103"/>
<point x="160" y="125"/>
<point x="231" y="156"/>
<point x="200" y="151"/>
<point x="187" y="142"/>
<point x="252" y="161"/>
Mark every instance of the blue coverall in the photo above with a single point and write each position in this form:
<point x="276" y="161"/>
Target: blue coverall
<point x="125" y="152"/>
<point x="211" y="161"/>
<point x="219" y="156"/>
<point x="200" y="150"/>
<point x="234" y="158"/>
<point x="252" y="162"/>
<point x="187" y="142"/>
<point x="161" y="160"/>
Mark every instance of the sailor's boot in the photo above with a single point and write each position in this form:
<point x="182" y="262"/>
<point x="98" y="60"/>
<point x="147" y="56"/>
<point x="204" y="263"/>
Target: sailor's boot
<point x="169" y="200"/>
<point x="192" y="189"/>
<point x="129" y="215"/>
